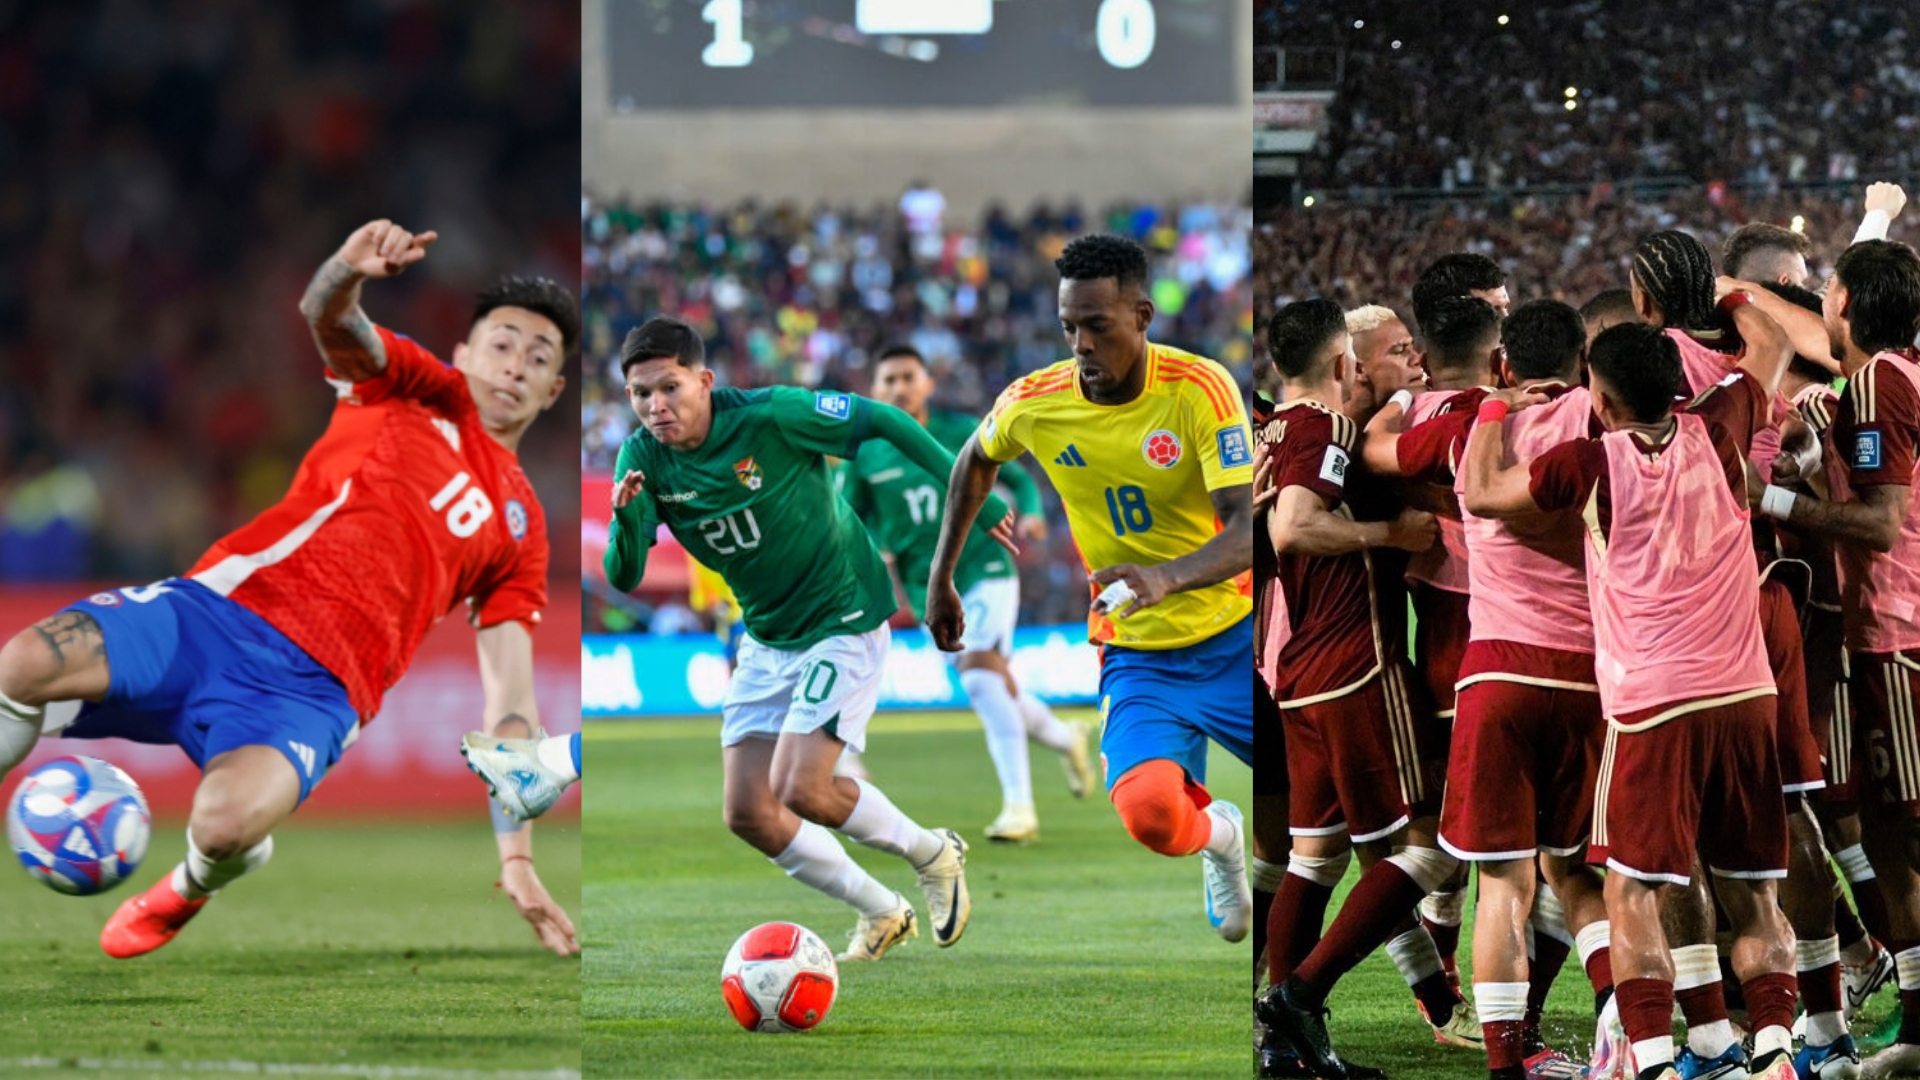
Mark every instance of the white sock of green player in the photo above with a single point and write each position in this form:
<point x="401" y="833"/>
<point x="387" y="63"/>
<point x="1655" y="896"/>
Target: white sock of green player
<point x="1006" y="733"/>
<point x="815" y="858"/>
<point x="200" y="876"/>
<point x="1042" y="726"/>
<point x="19" y="730"/>
<point x="877" y="823"/>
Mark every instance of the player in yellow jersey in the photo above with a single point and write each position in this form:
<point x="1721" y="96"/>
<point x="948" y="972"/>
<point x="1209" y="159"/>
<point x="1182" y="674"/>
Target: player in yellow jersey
<point x="1150" y="451"/>
<point x="709" y="594"/>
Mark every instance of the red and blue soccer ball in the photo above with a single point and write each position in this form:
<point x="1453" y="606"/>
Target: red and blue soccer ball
<point x="779" y="977"/>
<point x="79" y="825"/>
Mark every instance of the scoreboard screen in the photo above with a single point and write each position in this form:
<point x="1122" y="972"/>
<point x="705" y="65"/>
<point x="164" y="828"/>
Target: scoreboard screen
<point x="746" y="54"/>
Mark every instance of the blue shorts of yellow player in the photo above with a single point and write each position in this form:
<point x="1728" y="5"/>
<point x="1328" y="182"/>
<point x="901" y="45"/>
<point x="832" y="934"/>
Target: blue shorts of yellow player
<point x="189" y="667"/>
<point x="1166" y="704"/>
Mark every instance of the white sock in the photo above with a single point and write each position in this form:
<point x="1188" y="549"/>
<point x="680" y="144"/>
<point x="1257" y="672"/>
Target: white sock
<point x="1415" y="955"/>
<point x="1854" y="865"/>
<point x="1822" y="1028"/>
<point x="1699" y="965"/>
<point x="1444" y="908"/>
<point x="1265" y="876"/>
<point x="816" y="858"/>
<point x="556" y="753"/>
<point x="1655" y="1051"/>
<point x="200" y="876"/>
<point x="1592" y="938"/>
<point x="877" y="823"/>
<point x="1042" y="726"/>
<point x="1777" y="1037"/>
<point x="1500" y="1001"/>
<point x="19" y="730"/>
<point x="1224" y="838"/>
<point x="1906" y="968"/>
<point x="1006" y="732"/>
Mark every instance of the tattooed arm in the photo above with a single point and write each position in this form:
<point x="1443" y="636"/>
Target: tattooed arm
<point x="331" y="305"/>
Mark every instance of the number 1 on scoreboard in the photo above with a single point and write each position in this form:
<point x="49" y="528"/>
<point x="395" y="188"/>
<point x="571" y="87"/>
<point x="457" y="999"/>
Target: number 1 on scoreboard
<point x="730" y="47"/>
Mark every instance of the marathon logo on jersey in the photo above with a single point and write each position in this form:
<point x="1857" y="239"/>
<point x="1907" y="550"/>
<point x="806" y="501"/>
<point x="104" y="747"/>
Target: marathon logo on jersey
<point x="1333" y="467"/>
<point x="747" y="471"/>
<point x="1162" y="449"/>
<point x="516" y="519"/>
<point x="104" y="599"/>
<point x="837" y="406"/>
<point x="1866" y="450"/>
<point x="1233" y="448"/>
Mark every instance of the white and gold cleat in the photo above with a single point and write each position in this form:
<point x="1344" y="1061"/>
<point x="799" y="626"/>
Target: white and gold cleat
<point x="873" y="935"/>
<point x="1015" y="825"/>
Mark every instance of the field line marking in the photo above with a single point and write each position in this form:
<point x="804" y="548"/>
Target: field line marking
<point x="279" y="1068"/>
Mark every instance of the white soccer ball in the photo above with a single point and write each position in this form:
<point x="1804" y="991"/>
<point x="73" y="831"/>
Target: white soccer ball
<point x="79" y="825"/>
<point x="779" y="977"/>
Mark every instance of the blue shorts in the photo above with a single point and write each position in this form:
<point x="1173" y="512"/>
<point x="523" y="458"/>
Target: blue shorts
<point x="1166" y="704"/>
<point x="190" y="667"/>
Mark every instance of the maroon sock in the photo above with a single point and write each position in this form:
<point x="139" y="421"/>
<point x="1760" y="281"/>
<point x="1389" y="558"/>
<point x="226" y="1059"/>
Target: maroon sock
<point x="1770" y="999"/>
<point x="1819" y="989"/>
<point x="1446" y="939"/>
<point x="1600" y="970"/>
<point x="1701" y="1005"/>
<point x="1646" y="1008"/>
<point x="1376" y="907"/>
<point x="1845" y="922"/>
<point x="1436" y="995"/>
<point x="1293" y="924"/>
<point x="1549" y="956"/>
<point x="1504" y="1044"/>
<point x="1872" y="905"/>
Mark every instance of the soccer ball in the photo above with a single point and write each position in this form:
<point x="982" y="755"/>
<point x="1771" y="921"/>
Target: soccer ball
<point x="779" y="977"/>
<point x="79" y="825"/>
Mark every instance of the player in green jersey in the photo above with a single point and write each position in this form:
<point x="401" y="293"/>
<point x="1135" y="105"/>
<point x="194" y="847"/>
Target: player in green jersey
<point x="741" y="479"/>
<point x="900" y="502"/>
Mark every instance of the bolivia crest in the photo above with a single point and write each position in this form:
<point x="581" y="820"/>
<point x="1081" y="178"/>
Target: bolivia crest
<point x="747" y="471"/>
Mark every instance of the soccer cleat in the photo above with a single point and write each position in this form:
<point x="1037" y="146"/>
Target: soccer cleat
<point x="944" y="880"/>
<point x="1900" y="1059"/>
<point x="148" y="921"/>
<point x="1775" y="1066"/>
<point x="1015" y="825"/>
<point x="1279" y="1064"/>
<point x="515" y="778"/>
<point x="1864" y="981"/>
<point x="873" y="935"/>
<point x="1612" y="1051"/>
<point x="1838" y="1060"/>
<point x="1075" y="762"/>
<point x="1305" y="1030"/>
<point x="1730" y="1065"/>
<point x="1229" y="897"/>
<point x="1462" y="1028"/>
<point x="1553" y="1065"/>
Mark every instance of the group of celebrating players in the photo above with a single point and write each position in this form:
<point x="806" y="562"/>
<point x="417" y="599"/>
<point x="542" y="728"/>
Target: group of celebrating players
<point x="1666" y="584"/>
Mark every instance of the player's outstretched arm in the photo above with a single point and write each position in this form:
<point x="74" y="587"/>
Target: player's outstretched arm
<point x="1770" y="347"/>
<point x="1301" y="524"/>
<point x="1883" y="203"/>
<point x="968" y="488"/>
<point x="331" y="305"/>
<point x="1488" y="488"/>
<point x="633" y="527"/>
<point x="1804" y="329"/>
<point x="506" y="678"/>
<point x="1230" y="552"/>
<point x="1872" y="520"/>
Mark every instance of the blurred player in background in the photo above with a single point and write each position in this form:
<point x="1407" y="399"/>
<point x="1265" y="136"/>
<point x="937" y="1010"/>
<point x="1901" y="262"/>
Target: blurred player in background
<point x="1150" y="451"/>
<point x="901" y="504"/>
<point x="726" y="471"/>
<point x="263" y="662"/>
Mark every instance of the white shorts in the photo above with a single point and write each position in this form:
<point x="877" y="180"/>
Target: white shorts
<point x="834" y="685"/>
<point x="992" y="609"/>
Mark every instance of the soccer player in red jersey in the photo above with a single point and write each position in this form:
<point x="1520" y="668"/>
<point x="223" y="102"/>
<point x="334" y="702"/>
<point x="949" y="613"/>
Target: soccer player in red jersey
<point x="263" y="661"/>
<point x="1528" y="734"/>
<point x="1680" y="662"/>
<point x="1872" y="313"/>
<point x="1360" y="775"/>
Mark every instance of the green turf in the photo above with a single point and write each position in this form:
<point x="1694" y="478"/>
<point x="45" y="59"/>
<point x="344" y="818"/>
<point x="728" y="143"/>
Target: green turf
<point x="1087" y="956"/>
<point x="374" y="945"/>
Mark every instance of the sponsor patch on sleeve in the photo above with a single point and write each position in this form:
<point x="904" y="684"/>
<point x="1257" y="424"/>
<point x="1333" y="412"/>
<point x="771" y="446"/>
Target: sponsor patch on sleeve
<point x="1333" y="467"/>
<point x="1866" y="450"/>
<point x="1234" y="451"/>
<point x="837" y="406"/>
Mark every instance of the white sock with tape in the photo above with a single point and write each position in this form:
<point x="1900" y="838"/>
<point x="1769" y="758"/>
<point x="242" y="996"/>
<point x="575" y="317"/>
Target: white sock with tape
<point x="200" y="876"/>
<point x="19" y="730"/>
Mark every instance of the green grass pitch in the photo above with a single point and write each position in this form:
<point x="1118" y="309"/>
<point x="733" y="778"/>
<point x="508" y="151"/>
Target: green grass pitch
<point x="358" y="945"/>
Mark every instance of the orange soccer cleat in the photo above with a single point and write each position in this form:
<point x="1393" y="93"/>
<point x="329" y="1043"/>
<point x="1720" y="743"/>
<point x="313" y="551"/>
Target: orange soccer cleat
<point x="148" y="921"/>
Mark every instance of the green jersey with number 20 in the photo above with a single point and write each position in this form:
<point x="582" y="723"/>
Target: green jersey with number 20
<point x="756" y="502"/>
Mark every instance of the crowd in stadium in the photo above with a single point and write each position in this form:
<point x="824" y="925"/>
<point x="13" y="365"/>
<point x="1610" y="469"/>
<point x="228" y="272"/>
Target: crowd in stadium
<point x="784" y="295"/>
<point x="190" y="173"/>
<point x="1436" y="95"/>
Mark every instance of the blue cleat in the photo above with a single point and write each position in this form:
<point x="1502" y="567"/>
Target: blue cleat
<point x="1730" y="1065"/>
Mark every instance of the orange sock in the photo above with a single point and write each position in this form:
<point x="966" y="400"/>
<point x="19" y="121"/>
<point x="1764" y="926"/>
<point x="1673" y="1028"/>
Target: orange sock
<point x="1161" y="808"/>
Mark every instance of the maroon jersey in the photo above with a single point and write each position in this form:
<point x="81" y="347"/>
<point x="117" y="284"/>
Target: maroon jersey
<point x="1876" y="431"/>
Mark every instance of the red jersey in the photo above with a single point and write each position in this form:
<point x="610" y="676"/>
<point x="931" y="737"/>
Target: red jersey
<point x="1876" y="431"/>
<point x="404" y="508"/>
<point x="1325" y="637"/>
